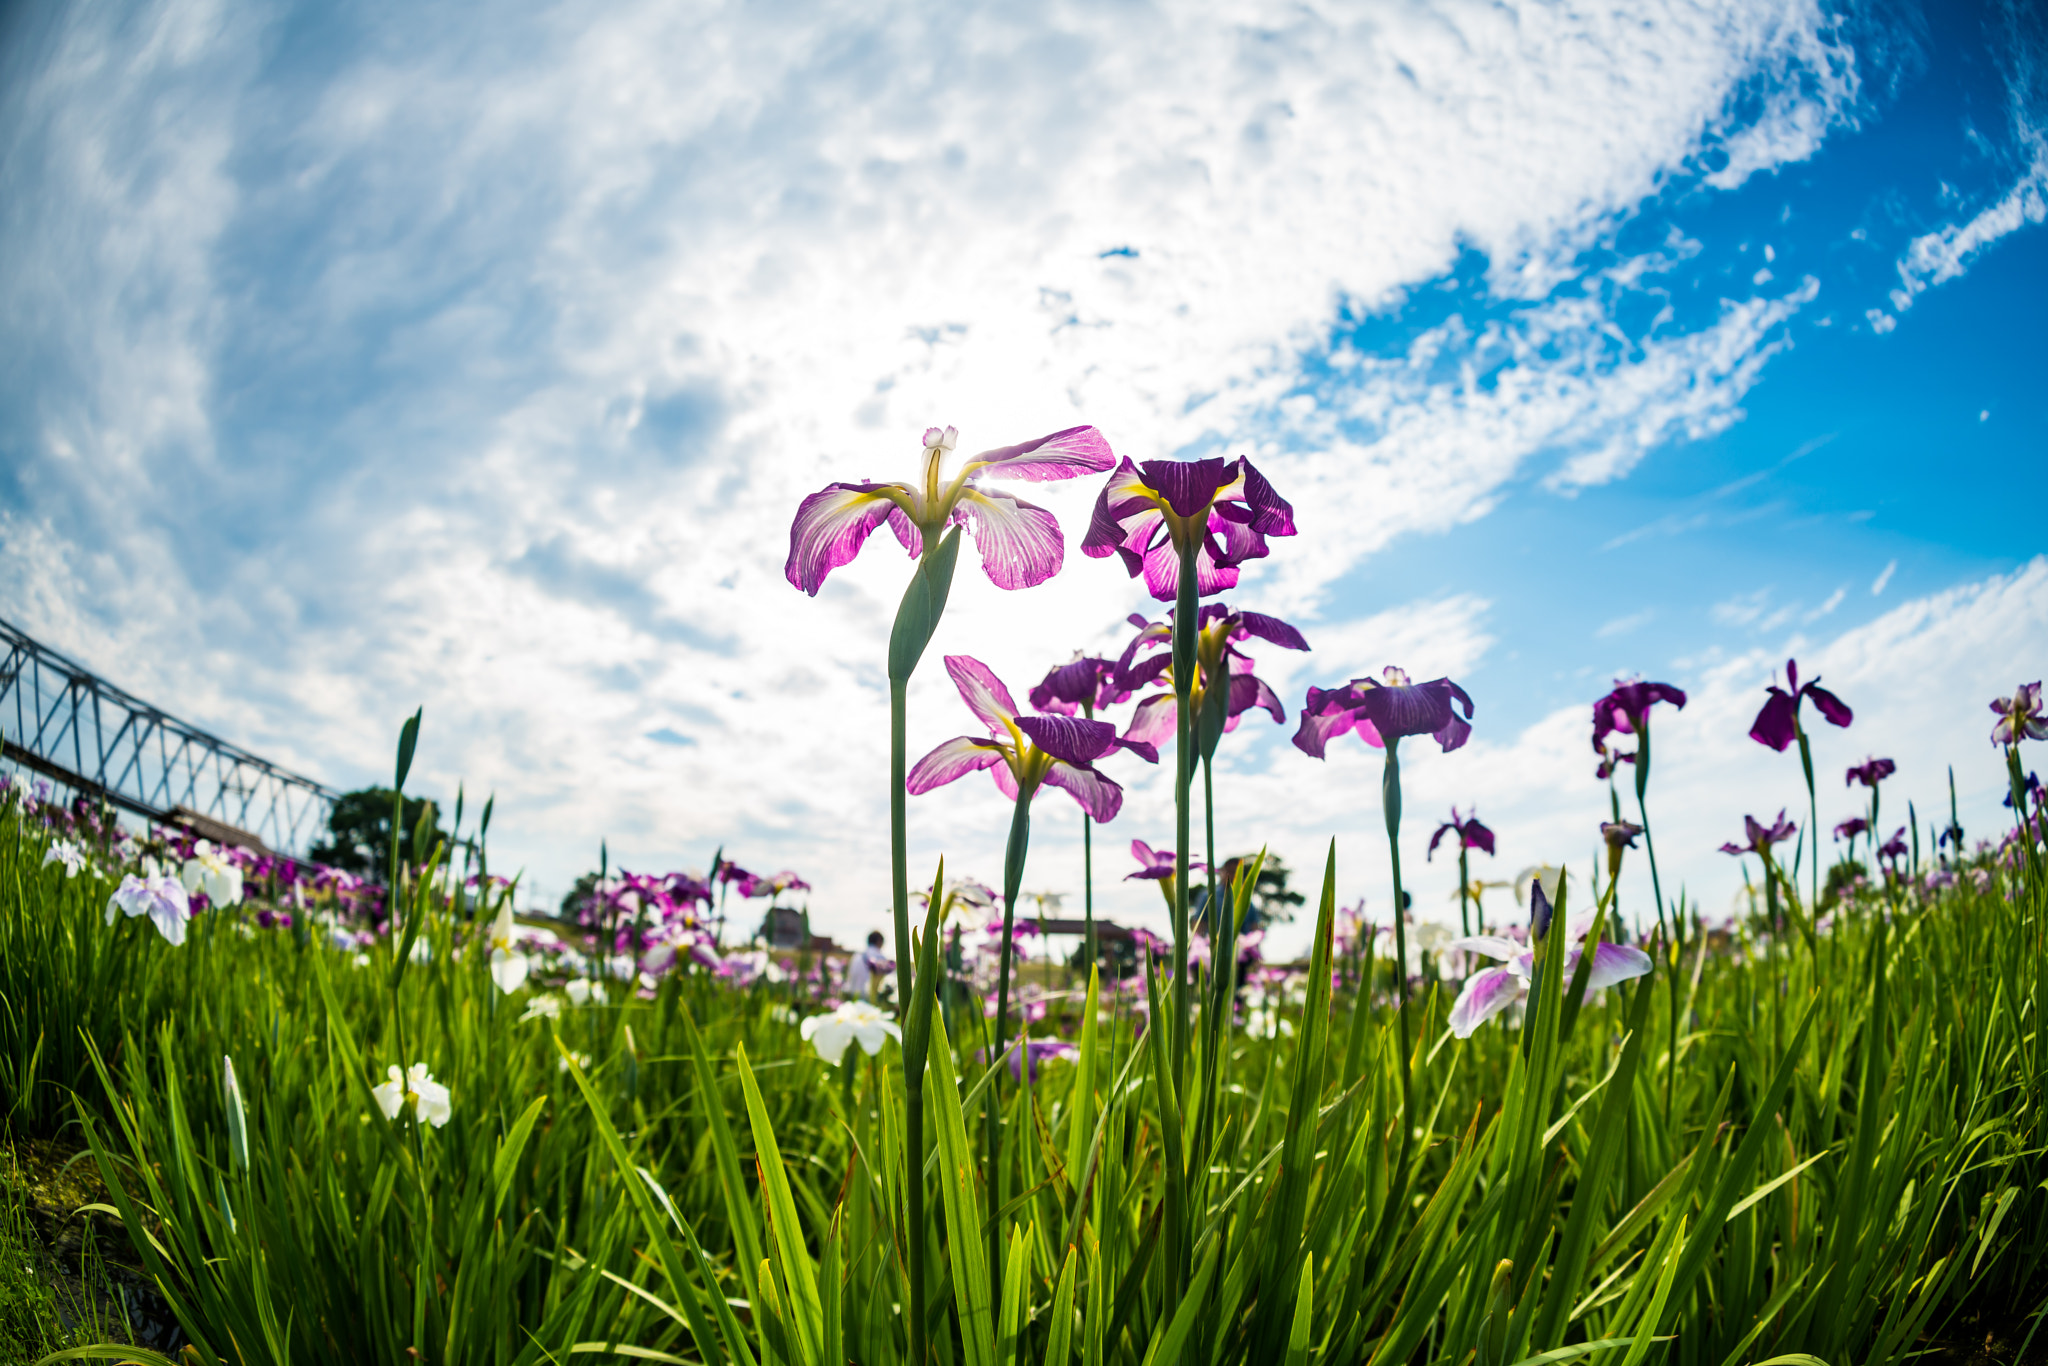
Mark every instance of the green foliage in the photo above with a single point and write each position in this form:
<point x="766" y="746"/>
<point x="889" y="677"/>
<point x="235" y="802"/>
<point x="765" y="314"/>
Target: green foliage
<point x="1852" y="1155"/>
<point x="359" y="833"/>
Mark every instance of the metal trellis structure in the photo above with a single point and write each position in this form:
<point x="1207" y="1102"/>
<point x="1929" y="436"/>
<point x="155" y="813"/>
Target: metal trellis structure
<point x="61" y="720"/>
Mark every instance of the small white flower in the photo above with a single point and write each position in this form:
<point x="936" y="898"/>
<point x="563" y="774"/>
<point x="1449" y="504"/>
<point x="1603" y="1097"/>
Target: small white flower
<point x="856" y="1020"/>
<point x="582" y="1061"/>
<point x="1264" y="1023"/>
<point x="66" y="853"/>
<point x="542" y="1007"/>
<point x="208" y="871"/>
<point x="428" y="1098"/>
<point x="508" y="966"/>
<point x="583" y="991"/>
<point x="362" y="960"/>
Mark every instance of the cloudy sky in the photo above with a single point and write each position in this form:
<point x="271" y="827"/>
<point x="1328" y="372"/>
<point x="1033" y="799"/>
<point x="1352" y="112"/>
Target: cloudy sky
<point x="362" y="357"/>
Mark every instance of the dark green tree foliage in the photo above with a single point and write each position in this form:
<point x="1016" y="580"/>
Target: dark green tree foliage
<point x="360" y="832"/>
<point x="578" y="895"/>
<point x="1272" y="902"/>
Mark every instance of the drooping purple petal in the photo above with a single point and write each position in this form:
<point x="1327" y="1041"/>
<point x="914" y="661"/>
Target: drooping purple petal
<point x="1189" y="486"/>
<point x="1122" y="497"/>
<point x="983" y="693"/>
<point x="1065" y="687"/>
<point x="1271" y="514"/>
<point x="1154" y="720"/>
<point x="1144" y="749"/>
<point x="1062" y="455"/>
<point x="1073" y="739"/>
<point x="1773" y="725"/>
<point x="1418" y="709"/>
<point x="1155" y="863"/>
<point x="1486" y="994"/>
<point x="1248" y="691"/>
<point x="1612" y="963"/>
<point x="951" y="761"/>
<point x="1272" y="629"/>
<point x="1020" y="542"/>
<point x="1098" y="795"/>
<point x="830" y="527"/>
<point x="1146" y="671"/>
<point x="1834" y="708"/>
<point x="1478" y="836"/>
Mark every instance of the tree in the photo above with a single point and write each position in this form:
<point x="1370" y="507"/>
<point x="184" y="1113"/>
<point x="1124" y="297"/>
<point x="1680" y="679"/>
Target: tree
<point x="359" y="832"/>
<point x="1272" y="902"/>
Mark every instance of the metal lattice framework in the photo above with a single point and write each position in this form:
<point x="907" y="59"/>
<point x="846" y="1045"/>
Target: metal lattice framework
<point x="60" y="720"/>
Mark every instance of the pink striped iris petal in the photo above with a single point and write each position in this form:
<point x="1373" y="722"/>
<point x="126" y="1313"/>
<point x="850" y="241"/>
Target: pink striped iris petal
<point x="1020" y="542"/>
<point x="830" y="527"/>
<point x="1098" y="795"/>
<point x="1486" y="994"/>
<point x="951" y="761"/>
<point x="1066" y="454"/>
<point x="983" y="692"/>
<point x="1154" y="720"/>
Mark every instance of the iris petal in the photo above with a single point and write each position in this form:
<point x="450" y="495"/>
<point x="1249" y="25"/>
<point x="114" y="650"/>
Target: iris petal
<point x="1020" y="542"/>
<point x="983" y="692"/>
<point x="1062" y="455"/>
<point x="1073" y="739"/>
<point x="830" y="527"/>
<point x="1486" y="994"/>
<point x="1097" y="794"/>
<point x="954" y="759"/>
<point x="1614" y="963"/>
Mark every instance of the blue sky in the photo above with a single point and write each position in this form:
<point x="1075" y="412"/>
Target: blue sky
<point x="422" y="354"/>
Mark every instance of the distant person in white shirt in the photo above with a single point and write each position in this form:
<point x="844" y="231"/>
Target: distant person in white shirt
<point x="868" y="965"/>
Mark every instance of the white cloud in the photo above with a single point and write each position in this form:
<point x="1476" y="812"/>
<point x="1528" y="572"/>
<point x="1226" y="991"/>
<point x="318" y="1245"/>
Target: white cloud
<point x="1884" y="577"/>
<point x="487" y="373"/>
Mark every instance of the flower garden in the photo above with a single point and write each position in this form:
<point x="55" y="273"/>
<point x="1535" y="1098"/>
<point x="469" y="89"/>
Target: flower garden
<point x="386" y="1120"/>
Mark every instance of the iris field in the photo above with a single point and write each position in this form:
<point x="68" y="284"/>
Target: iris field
<point x="385" y="1120"/>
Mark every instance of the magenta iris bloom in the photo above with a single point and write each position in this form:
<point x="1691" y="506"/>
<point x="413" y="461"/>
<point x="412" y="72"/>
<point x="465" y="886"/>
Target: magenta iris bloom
<point x="1218" y="629"/>
<point x="1087" y="683"/>
<point x="1894" y="848"/>
<point x="1154" y="864"/>
<point x="772" y="885"/>
<point x="1851" y="828"/>
<point x="1020" y="542"/>
<point x="1383" y="711"/>
<point x="1624" y="709"/>
<point x="1871" y="772"/>
<point x="1761" y="836"/>
<point x="1777" y="725"/>
<point x="1025" y="751"/>
<point x="1489" y="991"/>
<point x="2020" y="716"/>
<point x="1471" y="834"/>
<point x="1223" y="509"/>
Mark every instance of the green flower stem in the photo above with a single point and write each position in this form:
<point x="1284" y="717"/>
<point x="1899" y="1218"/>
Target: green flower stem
<point x="1464" y="887"/>
<point x="1643" y="810"/>
<point x="1390" y="800"/>
<point x="1186" y="609"/>
<point x="1812" y="806"/>
<point x="1013" y="877"/>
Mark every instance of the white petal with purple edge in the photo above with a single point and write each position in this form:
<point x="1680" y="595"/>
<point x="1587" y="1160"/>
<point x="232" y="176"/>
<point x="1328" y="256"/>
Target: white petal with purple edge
<point x="830" y="527"/>
<point x="1486" y="994"/>
<point x="954" y="759"/>
<point x="983" y="693"/>
<point x="1020" y="542"/>
<point x="1613" y="963"/>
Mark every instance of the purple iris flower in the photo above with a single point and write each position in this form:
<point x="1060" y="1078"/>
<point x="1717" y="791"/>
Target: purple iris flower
<point x="1086" y="683"/>
<point x="1761" y="836"/>
<point x="2020" y="716"/>
<point x="1471" y="834"/>
<point x="1851" y="828"/>
<point x="1383" y="711"/>
<point x="1026" y="750"/>
<point x="1217" y="629"/>
<point x="1611" y="761"/>
<point x="1223" y="509"/>
<point x="1777" y="725"/>
<point x="1894" y="848"/>
<point x="1020" y="542"/>
<point x="1154" y="864"/>
<point x="1619" y="835"/>
<point x="1624" y="709"/>
<point x="1871" y="772"/>
<point x="1037" y="1052"/>
<point x="773" y="885"/>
